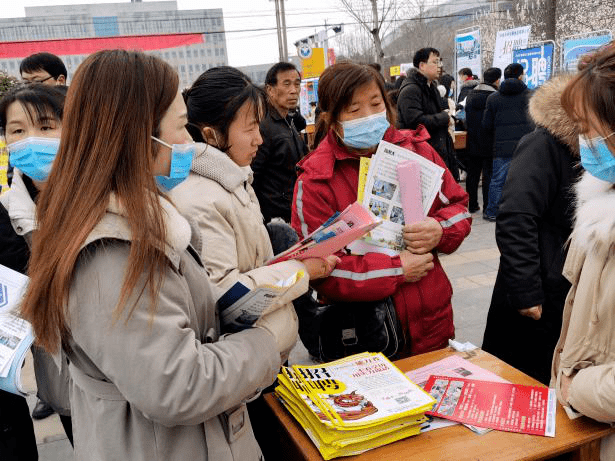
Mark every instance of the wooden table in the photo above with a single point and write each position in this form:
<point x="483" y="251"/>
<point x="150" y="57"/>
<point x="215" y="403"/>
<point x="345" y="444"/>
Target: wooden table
<point x="580" y="437"/>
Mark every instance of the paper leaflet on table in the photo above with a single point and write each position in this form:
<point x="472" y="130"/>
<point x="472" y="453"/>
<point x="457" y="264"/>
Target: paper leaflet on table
<point x="502" y="406"/>
<point x="16" y="335"/>
<point x="453" y="366"/>
<point x="353" y="404"/>
<point x="338" y="231"/>
<point x="382" y="192"/>
<point x="240" y="307"/>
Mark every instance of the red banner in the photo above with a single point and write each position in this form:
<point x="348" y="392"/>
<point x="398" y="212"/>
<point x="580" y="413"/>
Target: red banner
<point x="90" y="45"/>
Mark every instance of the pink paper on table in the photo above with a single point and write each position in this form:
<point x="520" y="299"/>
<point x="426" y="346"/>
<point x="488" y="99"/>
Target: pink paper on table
<point x="409" y="177"/>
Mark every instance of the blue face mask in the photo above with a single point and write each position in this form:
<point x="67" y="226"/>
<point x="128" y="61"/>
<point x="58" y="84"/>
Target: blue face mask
<point x="34" y="156"/>
<point x="365" y="132"/>
<point x="181" y="161"/>
<point x="597" y="159"/>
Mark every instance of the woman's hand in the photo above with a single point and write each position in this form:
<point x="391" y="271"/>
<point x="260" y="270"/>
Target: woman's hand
<point x="534" y="312"/>
<point x="415" y="266"/>
<point x="423" y="236"/>
<point x="319" y="268"/>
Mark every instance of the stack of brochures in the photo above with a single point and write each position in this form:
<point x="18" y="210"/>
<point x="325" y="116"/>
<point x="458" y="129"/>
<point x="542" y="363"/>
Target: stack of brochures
<point x="16" y="335"/>
<point x="353" y="404"/>
<point x="338" y="231"/>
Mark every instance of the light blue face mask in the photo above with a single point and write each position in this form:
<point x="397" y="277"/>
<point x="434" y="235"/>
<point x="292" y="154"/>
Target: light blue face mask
<point x="181" y="161"/>
<point x="34" y="156"/>
<point x="597" y="159"/>
<point x="365" y="132"/>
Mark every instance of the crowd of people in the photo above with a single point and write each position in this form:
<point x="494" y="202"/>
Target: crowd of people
<point x="135" y="205"/>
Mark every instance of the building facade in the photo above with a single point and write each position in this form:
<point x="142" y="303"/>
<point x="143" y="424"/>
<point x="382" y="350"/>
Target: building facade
<point x="156" y="21"/>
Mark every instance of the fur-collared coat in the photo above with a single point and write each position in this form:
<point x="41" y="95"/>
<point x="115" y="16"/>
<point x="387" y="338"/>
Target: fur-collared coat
<point x="586" y="349"/>
<point x="534" y="223"/>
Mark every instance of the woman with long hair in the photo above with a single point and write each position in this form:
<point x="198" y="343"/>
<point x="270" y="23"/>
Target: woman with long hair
<point x="31" y="123"/>
<point x="116" y="283"/>
<point x="584" y="360"/>
<point x="356" y="116"/>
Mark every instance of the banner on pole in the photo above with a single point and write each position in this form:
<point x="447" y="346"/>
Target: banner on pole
<point x="575" y="47"/>
<point x="506" y="41"/>
<point x="537" y="62"/>
<point x="468" y="53"/>
<point x="314" y="65"/>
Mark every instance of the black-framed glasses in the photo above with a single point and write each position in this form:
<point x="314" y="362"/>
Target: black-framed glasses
<point x="27" y="82"/>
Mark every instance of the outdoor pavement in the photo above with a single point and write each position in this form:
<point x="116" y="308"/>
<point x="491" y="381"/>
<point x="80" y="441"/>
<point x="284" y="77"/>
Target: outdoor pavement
<point x="472" y="270"/>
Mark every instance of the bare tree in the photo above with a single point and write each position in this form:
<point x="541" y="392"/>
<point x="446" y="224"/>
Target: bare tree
<point x="374" y="17"/>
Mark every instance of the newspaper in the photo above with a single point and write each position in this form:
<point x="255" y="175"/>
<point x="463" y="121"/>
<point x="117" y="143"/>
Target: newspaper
<point x="382" y="196"/>
<point x="16" y="335"/>
<point x="240" y="307"/>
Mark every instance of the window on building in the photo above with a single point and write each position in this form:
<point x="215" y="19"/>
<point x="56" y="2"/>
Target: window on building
<point x="174" y="54"/>
<point x="181" y="54"/>
<point x="202" y="52"/>
<point x="190" y="68"/>
<point x="188" y="53"/>
<point x="209" y="52"/>
<point x="217" y="52"/>
<point x="167" y="55"/>
<point x="182" y="68"/>
<point x="221" y="51"/>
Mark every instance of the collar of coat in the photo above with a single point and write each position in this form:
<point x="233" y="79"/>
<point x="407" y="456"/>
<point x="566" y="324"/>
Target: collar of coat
<point x="594" y="227"/>
<point x="114" y="225"/>
<point x="546" y="110"/>
<point x="218" y="166"/>
<point x="19" y="205"/>
<point x="323" y="163"/>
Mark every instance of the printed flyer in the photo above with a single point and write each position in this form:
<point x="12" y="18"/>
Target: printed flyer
<point x="501" y="406"/>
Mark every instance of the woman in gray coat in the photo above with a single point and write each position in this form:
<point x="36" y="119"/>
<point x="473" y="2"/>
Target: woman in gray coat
<point x="116" y="283"/>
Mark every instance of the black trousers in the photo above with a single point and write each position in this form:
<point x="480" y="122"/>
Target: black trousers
<point x="476" y="166"/>
<point x="17" y="440"/>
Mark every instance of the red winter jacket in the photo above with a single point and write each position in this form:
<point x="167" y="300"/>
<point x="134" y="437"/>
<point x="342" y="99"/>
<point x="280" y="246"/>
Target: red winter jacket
<point x="328" y="180"/>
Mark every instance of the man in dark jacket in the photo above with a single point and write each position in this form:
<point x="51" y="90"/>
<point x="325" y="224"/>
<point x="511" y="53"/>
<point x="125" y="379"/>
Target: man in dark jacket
<point x="506" y="120"/>
<point x="419" y="103"/>
<point x="534" y="222"/>
<point x="275" y="161"/>
<point x="466" y="77"/>
<point x="479" y="155"/>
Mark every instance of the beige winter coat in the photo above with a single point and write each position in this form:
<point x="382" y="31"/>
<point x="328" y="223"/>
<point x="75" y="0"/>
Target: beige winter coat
<point x="218" y="198"/>
<point x="586" y="348"/>
<point x="158" y="388"/>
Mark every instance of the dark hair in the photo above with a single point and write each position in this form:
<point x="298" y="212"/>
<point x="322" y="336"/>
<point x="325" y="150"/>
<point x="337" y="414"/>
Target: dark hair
<point x="336" y="88"/>
<point x="214" y="99"/>
<point x="393" y="96"/>
<point x="399" y="82"/>
<point x="48" y="62"/>
<point x="39" y="101"/>
<point x="465" y="71"/>
<point x="422" y="55"/>
<point x="492" y="75"/>
<point x="376" y="66"/>
<point x="446" y="81"/>
<point x="272" y="74"/>
<point x="592" y="92"/>
<point x="514" y="70"/>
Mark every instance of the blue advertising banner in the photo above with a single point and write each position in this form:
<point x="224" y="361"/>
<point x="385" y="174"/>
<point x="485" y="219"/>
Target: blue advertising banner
<point x="537" y="62"/>
<point x="574" y="48"/>
<point x="467" y="52"/>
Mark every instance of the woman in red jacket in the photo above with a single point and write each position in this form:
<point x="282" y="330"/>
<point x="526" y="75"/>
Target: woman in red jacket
<point x="356" y="115"/>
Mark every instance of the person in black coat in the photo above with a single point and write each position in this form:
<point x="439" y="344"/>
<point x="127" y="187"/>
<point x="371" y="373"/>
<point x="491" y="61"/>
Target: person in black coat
<point x="274" y="165"/>
<point x="506" y="121"/>
<point x="419" y="103"/>
<point x="479" y="154"/>
<point x="533" y="225"/>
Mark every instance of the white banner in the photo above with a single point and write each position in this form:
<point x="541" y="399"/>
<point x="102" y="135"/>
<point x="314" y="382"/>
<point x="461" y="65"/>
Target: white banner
<point x="468" y="53"/>
<point x="506" y="41"/>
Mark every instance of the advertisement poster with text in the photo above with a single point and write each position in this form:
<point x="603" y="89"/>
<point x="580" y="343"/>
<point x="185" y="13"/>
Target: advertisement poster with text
<point x="506" y="41"/>
<point x="468" y="53"/>
<point x="537" y="63"/>
<point x="574" y="48"/>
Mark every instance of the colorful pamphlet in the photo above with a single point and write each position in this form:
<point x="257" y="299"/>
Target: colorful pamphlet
<point x="16" y="335"/>
<point x="353" y="404"/>
<point x="409" y="177"/>
<point x="240" y="307"/>
<point x="381" y="193"/>
<point x="502" y="406"/>
<point x="337" y="232"/>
